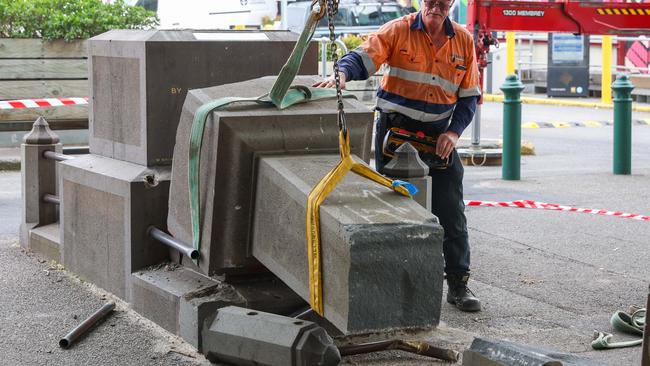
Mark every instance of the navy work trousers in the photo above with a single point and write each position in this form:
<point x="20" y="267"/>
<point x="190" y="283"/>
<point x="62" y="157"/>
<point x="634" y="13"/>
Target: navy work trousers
<point x="447" y="192"/>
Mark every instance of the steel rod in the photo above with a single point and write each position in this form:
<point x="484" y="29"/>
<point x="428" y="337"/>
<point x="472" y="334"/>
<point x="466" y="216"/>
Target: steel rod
<point x="56" y="156"/>
<point x="172" y="242"/>
<point x="645" y="354"/>
<point x="476" y="128"/>
<point x="50" y="198"/>
<point x="420" y="348"/>
<point x="82" y="328"/>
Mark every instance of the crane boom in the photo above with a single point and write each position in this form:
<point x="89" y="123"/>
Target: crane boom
<point x="563" y="16"/>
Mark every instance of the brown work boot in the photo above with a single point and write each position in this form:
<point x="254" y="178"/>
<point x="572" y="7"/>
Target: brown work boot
<point x="460" y="295"/>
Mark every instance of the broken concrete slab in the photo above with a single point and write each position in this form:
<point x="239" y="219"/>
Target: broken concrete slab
<point x="106" y="207"/>
<point x="233" y="141"/>
<point x="382" y="258"/>
<point x="139" y="80"/>
<point x="502" y="353"/>
<point x="185" y="302"/>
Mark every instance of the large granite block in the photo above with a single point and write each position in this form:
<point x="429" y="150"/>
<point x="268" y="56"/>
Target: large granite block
<point x="382" y="258"/>
<point x="234" y="140"/>
<point x="139" y="80"/>
<point x="106" y="207"/>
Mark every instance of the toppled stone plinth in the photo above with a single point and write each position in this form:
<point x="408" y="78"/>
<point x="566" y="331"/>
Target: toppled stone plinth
<point x="382" y="258"/>
<point x="234" y="140"/>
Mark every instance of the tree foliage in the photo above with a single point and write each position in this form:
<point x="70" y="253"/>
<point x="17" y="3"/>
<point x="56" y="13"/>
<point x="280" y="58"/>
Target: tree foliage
<point x="69" y="19"/>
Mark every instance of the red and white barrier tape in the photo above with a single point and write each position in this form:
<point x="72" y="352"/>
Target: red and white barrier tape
<point x="38" y="103"/>
<point x="555" y="207"/>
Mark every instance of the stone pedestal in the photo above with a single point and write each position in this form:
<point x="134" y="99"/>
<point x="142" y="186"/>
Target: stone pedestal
<point x="106" y="207"/>
<point x="382" y="258"/>
<point x="139" y="80"/>
<point x="234" y="140"/>
<point x="39" y="177"/>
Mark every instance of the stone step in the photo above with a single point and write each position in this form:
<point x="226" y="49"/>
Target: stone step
<point x="46" y="240"/>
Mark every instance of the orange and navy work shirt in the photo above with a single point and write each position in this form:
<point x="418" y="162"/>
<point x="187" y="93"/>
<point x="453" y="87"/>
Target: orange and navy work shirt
<point x="440" y="86"/>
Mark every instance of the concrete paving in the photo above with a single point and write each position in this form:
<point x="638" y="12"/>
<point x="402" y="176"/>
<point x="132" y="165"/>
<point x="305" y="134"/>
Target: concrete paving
<point x="41" y="302"/>
<point x="546" y="278"/>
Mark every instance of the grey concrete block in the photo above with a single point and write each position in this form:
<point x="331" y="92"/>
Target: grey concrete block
<point x="485" y="352"/>
<point x="185" y="302"/>
<point x="234" y="140"/>
<point x="139" y="80"/>
<point x="381" y="252"/>
<point x="46" y="240"/>
<point x="157" y="292"/>
<point x="241" y="336"/>
<point x="106" y="207"/>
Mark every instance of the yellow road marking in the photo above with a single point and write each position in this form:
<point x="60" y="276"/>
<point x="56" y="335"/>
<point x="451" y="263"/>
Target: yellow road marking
<point x="593" y="124"/>
<point x="560" y="125"/>
<point x="646" y="120"/>
<point x="530" y="125"/>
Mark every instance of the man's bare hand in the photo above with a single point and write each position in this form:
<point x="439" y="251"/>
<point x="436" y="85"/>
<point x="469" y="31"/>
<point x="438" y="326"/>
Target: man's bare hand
<point x="446" y="144"/>
<point x="330" y="82"/>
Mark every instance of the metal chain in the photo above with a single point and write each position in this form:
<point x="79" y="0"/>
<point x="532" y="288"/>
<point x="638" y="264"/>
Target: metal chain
<point x="332" y="9"/>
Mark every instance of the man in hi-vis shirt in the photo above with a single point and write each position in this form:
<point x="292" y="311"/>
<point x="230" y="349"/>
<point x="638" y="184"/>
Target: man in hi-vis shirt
<point x="429" y="90"/>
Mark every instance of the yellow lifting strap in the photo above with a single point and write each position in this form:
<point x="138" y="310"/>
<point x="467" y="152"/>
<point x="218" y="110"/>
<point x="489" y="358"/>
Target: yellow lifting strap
<point x="314" y="200"/>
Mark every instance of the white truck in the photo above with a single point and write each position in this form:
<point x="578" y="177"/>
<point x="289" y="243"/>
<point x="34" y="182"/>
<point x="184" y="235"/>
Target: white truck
<point x="210" y="14"/>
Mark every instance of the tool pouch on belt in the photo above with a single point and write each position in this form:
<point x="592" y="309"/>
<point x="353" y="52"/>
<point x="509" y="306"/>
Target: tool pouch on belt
<point x="425" y="145"/>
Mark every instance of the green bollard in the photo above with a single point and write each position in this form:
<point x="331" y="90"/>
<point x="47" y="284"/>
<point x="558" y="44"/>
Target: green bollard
<point x="622" y="88"/>
<point x="511" y="158"/>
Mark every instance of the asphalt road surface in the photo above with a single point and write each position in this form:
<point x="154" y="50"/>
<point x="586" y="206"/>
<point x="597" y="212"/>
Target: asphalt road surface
<point x="546" y="278"/>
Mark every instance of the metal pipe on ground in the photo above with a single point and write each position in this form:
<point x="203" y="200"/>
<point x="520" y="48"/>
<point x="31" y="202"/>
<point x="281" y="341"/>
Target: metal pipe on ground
<point x="420" y="348"/>
<point x="56" y="156"/>
<point x="82" y="328"/>
<point x="172" y="242"/>
<point x="645" y="355"/>
<point x="50" y="198"/>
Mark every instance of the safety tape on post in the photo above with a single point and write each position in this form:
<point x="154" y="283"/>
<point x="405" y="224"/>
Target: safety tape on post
<point x="39" y="103"/>
<point x="556" y="207"/>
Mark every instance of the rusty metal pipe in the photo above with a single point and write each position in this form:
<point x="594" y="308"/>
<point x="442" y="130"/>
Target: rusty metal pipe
<point x="82" y="328"/>
<point x="172" y="242"/>
<point x="56" y="156"/>
<point x="645" y="355"/>
<point x="50" y="198"/>
<point x="420" y="348"/>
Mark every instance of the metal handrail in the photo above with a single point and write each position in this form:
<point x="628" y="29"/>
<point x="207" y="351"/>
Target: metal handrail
<point x="323" y="51"/>
<point x="56" y="156"/>
<point x="172" y="242"/>
<point x="50" y="198"/>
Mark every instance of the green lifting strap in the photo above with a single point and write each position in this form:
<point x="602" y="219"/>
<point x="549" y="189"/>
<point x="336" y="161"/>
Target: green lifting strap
<point x="632" y="324"/>
<point x="282" y="96"/>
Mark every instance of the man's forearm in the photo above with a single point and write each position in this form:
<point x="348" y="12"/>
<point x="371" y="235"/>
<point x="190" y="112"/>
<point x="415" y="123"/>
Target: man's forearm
<point x="352" y="66"/>
<point x="463" y="114"/>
